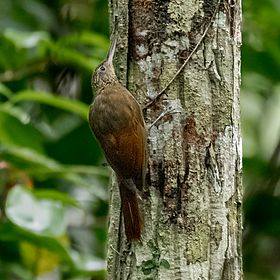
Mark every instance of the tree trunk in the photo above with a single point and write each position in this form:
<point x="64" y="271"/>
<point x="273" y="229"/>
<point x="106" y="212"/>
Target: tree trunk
<point x="192" y="199"/>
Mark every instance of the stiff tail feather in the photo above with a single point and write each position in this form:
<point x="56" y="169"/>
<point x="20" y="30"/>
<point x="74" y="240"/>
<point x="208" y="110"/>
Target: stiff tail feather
<point x="133" y="221"/>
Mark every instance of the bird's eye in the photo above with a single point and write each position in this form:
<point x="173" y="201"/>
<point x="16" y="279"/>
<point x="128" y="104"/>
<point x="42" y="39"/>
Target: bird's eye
<point x="102" y="68"/>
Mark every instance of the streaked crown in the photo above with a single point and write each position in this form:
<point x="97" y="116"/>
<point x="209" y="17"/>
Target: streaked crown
<point x="104" y="73"/>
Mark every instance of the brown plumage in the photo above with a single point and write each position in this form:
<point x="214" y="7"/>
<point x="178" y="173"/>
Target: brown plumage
<point x="116" y="119"/>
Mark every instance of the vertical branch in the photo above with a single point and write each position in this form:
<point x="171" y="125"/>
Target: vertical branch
<point x="193" y="192"/>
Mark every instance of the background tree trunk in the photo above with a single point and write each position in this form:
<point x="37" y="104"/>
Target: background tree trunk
<point x="192" y="199"/>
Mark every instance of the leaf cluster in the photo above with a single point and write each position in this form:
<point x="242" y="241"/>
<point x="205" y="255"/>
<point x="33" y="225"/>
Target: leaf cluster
<point x="52" y="183"/>
<point x="260" y="100"/>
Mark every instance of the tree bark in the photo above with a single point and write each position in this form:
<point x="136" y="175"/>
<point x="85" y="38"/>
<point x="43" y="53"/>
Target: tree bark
<point x="193" y="194"/>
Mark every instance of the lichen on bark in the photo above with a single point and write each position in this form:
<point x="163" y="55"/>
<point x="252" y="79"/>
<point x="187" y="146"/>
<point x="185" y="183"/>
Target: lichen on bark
<point x="192" y="198"/>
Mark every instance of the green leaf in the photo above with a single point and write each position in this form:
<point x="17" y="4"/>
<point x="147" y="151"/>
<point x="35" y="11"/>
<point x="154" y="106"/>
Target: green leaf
<point x="15" y="112"/>
<point x="61" y="126"/>
<point x="29" y="158"/>
<point x="11" y="57"/>
<point x="23" y="39"/>
<point x="42" y="216"/>
<point x="64" y="54"/>
<point x="14" y="132"/>
<point x="41" y="167"/>
<point x="88" y="265"/>
<point x="63" y="103"/>
<point x="88" y="38"/>
<point x="56" y="195"/>
<point x="18" y="270"/>
<point x="164" y="263"/>
<point x="4" y="90"/>
<point x="148" y="266"/>
<point x="42" y="164"/>
<point x="12" y="232"/>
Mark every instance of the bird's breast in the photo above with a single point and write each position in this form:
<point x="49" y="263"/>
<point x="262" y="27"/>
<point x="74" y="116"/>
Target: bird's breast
<point x="109" y="115"/>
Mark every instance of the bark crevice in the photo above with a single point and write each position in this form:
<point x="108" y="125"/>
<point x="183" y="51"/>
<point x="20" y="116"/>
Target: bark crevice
<point x="192" y="198"/>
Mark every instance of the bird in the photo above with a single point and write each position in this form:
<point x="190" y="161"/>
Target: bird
<point x="116" y="120"/>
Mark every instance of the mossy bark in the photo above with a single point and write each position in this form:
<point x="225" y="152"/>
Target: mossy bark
<point x="193" y="194"/>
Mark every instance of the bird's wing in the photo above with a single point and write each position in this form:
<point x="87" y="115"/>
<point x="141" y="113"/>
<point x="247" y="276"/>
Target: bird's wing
<point x="126" y="153"/>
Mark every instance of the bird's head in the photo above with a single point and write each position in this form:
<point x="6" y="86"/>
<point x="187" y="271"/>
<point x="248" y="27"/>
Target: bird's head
<point x="104" y="73"/>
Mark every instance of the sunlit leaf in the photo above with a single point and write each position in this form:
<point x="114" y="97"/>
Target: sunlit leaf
<point x="23" y="39"/>
<point x="43" y="216"/>
<point x="87" y="265"/>
<point x="40" y="260"/>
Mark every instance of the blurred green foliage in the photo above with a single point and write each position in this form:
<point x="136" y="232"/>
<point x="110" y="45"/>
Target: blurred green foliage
<point x="52" y="182"/>
<point x="260" y="108"/>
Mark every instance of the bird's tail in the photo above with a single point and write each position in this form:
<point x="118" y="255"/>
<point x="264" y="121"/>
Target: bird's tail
<point x="133" y="220"/>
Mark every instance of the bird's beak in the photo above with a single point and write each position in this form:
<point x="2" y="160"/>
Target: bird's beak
<point x="112" y="49"/>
